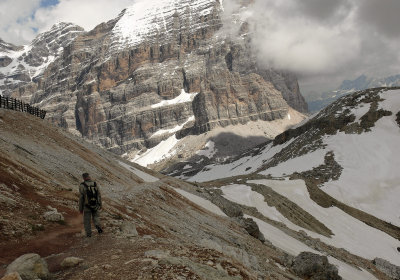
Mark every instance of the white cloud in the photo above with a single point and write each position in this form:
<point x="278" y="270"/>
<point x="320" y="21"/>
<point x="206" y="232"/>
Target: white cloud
<point x="20" y="18"/>
<point x="15" y="20"/>
<point x="323" y="41"/>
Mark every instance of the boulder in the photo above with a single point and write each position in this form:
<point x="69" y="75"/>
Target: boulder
<point x="53" y="216"/>
<point x="252" y="228"/>
<point x="391" y="270"/>
<point x="12" y="276"/>
<point x="314" y="267"/>
<point x="71" y="262"/>
<point x="29" y="267"/>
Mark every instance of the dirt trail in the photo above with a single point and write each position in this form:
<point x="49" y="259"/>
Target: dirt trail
<point x="55" y="240"/>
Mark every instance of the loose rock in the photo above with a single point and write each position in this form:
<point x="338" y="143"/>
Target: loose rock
<point x="314" y="267"/>
<point x="71" y="261"/>
<point x="53" y="216"/>
<point x="29" y="267"/>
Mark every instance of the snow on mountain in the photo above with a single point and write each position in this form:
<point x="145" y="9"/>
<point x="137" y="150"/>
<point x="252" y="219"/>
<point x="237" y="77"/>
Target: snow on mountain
<point x="23" y="64"/>
<point x="150" y="20"/>
<point x="370" y="161"/>
<point x="182" y="98"/>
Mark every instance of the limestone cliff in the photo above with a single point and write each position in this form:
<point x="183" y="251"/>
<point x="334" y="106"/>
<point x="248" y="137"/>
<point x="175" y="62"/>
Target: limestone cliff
<point x="112" y="84"/>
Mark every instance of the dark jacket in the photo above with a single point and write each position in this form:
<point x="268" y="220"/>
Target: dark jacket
<point x="83" y="200"/>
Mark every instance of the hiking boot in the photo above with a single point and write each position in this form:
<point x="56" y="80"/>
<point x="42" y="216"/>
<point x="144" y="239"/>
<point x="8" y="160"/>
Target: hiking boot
<point x="99" y="230"/>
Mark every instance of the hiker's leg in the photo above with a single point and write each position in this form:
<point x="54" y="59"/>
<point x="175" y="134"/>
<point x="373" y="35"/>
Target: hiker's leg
<point x="96" y="220"/>
<point x="87" y="215"/>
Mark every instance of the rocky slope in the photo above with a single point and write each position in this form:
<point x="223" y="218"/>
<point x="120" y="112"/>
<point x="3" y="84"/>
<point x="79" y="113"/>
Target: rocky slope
<point x="111" y="84"/>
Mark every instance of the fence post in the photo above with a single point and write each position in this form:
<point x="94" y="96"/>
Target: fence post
<point x="18" y="105"/>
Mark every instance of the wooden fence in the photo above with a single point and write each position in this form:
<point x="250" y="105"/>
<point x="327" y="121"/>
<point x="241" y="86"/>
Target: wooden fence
<point x="17" y="105"/>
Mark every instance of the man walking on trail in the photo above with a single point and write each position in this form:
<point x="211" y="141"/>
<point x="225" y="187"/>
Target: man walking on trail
<point x="89" y="204"/>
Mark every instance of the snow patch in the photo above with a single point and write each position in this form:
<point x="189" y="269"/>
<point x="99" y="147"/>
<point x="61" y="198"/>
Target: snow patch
<point x="182" y="98"/>
<point x="173" y="130"/>
<point x="162" y="151"/>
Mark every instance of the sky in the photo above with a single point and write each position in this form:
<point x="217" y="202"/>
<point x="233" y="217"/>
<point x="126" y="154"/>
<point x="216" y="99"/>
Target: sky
<point x="322" y="41"/>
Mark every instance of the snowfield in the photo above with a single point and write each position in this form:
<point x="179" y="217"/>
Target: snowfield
<point x="283" y="241"/>
<point x="350" y="233"/>
<point x="370" y="180"/>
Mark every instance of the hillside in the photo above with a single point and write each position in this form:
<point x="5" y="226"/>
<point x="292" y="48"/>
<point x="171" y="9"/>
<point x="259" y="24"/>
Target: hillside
<point x="40" y="168"/>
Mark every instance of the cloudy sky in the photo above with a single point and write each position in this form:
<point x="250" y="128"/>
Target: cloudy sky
<point x="323" y="41"/>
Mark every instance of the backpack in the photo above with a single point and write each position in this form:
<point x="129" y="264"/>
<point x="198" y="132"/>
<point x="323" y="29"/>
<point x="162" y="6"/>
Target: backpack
<point x="92" y="195"/>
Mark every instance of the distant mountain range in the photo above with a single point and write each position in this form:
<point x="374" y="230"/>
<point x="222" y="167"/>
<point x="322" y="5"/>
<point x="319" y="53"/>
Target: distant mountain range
<point x="349" y="86"/>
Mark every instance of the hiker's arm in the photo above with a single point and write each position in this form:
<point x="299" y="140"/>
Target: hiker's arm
<point x="81" y="198"/>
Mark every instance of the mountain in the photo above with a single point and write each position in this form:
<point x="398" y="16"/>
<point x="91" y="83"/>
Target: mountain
<point x="159" y="227"/>
<point x="159" y="71"/>
<point x="350" y="86"/>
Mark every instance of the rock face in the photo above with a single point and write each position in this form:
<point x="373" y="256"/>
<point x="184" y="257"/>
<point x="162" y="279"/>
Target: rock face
<point x="29" y="267"/>
<point x="109" y="84"/>
<point x="312" y="266"/>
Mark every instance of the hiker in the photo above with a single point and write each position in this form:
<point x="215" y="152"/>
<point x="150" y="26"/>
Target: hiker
<point x="89" y="204"/>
